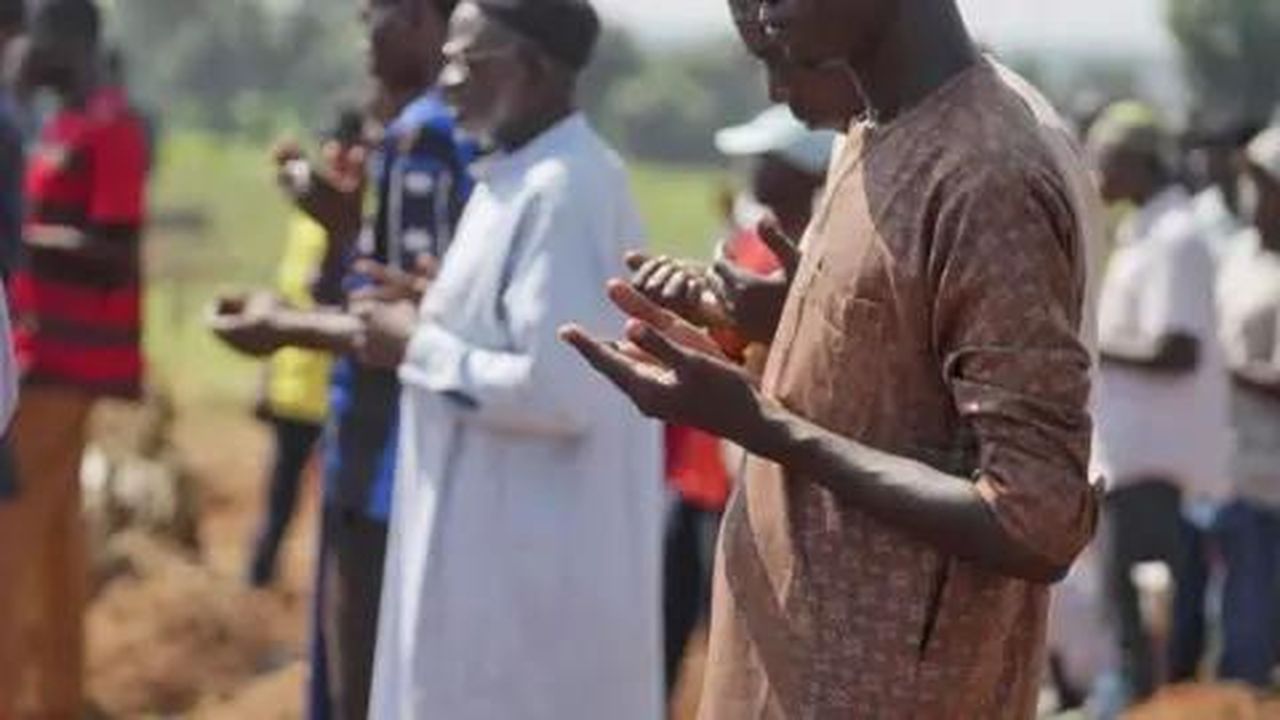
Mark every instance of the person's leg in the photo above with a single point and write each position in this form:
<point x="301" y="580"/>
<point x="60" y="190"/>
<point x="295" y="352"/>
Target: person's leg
<point x="355" y="581"/>
<point x="1248" y="610"/>
<point x="1119" y="558"/>
<point x="1143" y="525"/>
<point x="318" y="694"/>
<point x="294" y="443"/>
<point x="1070" y="697"/>
<point x="681" y="586"/>
<point x="48" y="434"/>
<point x="1191" y="580"/>
<point x="332" y="609"/>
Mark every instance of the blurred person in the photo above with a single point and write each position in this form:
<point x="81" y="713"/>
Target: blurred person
<point x="1248" y="528"/>
<point x="13" y="19"/>
<point x="419" y="173"/>
<point x="522" y="576"/>
<point x="921" y="436"/>
<point x="295" y="402"/>
<point x="1214" y="147"/>
<point x="1161" y="411"/>
<point x="788" y="166"/>
<point x="76" y="295"/>
<point x="1083" y="653"/>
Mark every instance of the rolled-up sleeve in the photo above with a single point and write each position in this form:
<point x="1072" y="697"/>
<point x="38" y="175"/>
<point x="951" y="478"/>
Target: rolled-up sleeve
<point x="1010" y="295"/>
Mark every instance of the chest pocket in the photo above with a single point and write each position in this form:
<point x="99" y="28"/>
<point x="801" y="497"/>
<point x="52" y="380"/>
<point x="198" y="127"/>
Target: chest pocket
<point x="836" y="363"/>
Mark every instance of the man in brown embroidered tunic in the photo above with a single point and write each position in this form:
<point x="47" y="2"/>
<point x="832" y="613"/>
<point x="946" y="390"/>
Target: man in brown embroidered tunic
<point x="921" y="431"/>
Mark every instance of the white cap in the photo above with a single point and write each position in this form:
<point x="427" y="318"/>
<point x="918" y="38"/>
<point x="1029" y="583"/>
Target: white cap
<point x="1264" y="151"/>
<point x="776" y="131"/>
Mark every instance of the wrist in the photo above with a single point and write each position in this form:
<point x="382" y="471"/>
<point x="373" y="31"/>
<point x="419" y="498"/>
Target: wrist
<point x="767" y="434"/>
<point x="274" y="322"/>
<point x="274" y="331"/>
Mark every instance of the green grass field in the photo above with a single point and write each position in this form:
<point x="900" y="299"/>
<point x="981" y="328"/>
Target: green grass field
<point x="219" y="222"/>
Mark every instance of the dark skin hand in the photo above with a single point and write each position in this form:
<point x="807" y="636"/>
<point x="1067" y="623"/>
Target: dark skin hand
<point x="260" y="324"/>
<point x="723" y="296"/>
<point x="376" y="329"/>
<point x="1260" y="377"/>
<point x="391" y="284"/>
<point x="243" y="322"/>
<point x="386" y="328"/>
<point x="684" y="287"/>
<point x="111" y="253"/>
<point x="636" y="305"/>
<point x="388" y="309"/>
<point x="678" y="384"/>
<point x="755" y="301"/>
<point x="332" y="192"/>
<point x="1174" y="354"/>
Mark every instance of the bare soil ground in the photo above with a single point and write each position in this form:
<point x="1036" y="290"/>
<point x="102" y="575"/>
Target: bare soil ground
<point x="177" y="634"/>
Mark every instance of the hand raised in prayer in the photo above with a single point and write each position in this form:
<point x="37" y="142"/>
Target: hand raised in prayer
<point x="245" y="322"/>
<point x="723" y="297"/>
<point x="684" y="287"/>
<point x="755" y="302"/>
<point x="387" y="329"/>
<point x="638" y="306"/>
<point x="671" y="381"/>
<point x="331" y="193"/>
<point x="391" y="284"/>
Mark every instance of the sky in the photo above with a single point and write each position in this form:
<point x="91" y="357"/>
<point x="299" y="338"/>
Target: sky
<point x="1136" y="23"/>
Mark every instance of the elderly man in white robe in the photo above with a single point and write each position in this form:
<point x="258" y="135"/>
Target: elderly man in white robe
<point x="522" y="576"/>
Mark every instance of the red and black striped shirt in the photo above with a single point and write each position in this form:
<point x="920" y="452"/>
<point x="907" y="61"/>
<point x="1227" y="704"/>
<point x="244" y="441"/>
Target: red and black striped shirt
<point x="78" y="317"/>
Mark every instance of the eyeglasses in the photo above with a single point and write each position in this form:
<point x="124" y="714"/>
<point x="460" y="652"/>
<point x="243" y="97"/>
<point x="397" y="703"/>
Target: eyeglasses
<point x="463" y="62"/>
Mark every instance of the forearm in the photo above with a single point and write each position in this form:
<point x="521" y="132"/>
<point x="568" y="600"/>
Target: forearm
<point x="1171" y="354"/>
<point x="521" y="392"/>
<point x="945" y="511"/>
<point x="1262" y="377"/>
<point x="337" y="212"/>
<point x="70" y="239"/>
<point x="322" y="329"/>
<point x="327" y="288"/>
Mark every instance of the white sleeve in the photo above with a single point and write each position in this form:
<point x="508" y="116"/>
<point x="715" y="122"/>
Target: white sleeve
<point x="535" y="388"/>
<point x="1179" y="295"/>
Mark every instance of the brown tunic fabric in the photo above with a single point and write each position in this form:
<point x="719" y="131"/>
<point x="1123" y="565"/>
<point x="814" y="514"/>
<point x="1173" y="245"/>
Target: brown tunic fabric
<point x="937" y="315"/>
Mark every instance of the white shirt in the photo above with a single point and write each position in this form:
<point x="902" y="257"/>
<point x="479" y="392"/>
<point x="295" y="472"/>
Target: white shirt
<point x="1152" y="424"/>
<point x="1249" y="313"/>
<point x="1216" y="223"/>
<point x="522" y="576"/>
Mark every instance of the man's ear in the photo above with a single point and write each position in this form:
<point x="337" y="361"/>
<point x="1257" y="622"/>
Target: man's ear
<point x="544" y="71"/>
<point x="536" y="66"/>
